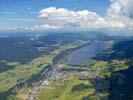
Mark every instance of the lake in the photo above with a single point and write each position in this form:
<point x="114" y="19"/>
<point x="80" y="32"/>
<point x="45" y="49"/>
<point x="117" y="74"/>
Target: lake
<point x="86" y="53"/>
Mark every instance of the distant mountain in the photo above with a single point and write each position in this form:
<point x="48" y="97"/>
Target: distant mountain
<point x="98" y="36"/>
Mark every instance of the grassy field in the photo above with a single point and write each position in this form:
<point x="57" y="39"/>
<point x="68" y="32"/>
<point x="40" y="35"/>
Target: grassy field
<point x="83" y="88"/>
<point x="58" y="90"/>
<point x="64" y="90"/>
<point x="21" y="73"/>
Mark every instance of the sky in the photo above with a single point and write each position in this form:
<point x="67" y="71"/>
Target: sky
<point x="112" y="15"/>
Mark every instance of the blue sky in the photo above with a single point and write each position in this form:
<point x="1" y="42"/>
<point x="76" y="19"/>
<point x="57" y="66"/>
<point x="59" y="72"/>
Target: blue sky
<point x="66" y="14"/>
<point x="25" y="12"/>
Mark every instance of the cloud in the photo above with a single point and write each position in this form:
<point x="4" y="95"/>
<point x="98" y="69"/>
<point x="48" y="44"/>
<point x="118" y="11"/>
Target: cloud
<point x="121" y="10"/>
<point x="60" y="18"/>
<point x="119" y="16"/>
<point x="46" y="26"/>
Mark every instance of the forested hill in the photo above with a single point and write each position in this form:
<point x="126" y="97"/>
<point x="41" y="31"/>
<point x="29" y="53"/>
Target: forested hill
<point x="119" y="51"/>
<point x="120" y="81"/>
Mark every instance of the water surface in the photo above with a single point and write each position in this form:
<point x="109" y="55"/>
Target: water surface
<point x="86" y="53"/>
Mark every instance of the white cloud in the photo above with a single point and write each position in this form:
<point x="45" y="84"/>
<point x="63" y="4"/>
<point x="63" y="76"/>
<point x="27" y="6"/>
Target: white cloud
<point x="56" y="18"/>
<point x="46" y="26"/>
<point x="119" y="15"/>
<point x="11" y="28"/>
<point x="121" y="10"/>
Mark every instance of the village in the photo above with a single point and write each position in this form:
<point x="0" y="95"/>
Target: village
<point x="55" y="74"/>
